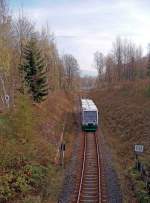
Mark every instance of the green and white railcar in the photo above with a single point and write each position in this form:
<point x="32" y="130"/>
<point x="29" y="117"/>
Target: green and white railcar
<point x="89" y="115"/>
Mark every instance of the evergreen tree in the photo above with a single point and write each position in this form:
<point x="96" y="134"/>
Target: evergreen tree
<point x="34" y="71"/>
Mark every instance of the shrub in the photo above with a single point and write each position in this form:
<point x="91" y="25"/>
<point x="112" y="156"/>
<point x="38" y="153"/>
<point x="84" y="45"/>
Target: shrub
<point x="147" y="91"/>
<point x="30" y="178"/>
<point x="5" y="189"/>
<point x="139" y="186"/>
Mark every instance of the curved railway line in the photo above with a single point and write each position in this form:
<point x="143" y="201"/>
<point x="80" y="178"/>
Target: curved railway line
<point x="91" y="187"/>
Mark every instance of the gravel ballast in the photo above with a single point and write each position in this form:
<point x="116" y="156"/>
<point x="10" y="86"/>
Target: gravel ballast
<point x="114" y="194"/>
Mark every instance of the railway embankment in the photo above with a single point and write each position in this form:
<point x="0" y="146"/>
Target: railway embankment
<point x="29" y="141"/>
<point x="72" y="169"/>
<point x="125" y="121"/>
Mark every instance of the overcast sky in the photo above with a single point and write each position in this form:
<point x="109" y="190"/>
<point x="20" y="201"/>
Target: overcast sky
<point x="82" y="27"/>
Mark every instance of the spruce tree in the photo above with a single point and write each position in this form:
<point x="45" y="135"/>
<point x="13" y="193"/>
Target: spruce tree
<point x="34" y="71"/>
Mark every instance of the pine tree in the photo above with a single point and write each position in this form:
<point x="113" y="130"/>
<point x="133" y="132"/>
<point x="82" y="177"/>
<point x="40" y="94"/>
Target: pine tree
<point x="34" y="71"/>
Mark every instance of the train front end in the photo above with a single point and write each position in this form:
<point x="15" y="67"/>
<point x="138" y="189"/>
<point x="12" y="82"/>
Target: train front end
<point x="89" y="116"/>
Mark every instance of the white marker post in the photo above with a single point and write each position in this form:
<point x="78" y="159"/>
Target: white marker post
<point x="138" y="149"/>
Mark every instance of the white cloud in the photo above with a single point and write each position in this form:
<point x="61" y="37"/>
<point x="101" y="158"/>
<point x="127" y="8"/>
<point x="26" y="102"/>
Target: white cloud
<point x="84" y="26"/>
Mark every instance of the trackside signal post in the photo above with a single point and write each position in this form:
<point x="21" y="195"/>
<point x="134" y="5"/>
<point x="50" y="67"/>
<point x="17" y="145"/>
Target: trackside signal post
<point x="59" y="158"/>
<point x="62" y="153"/>
<point x="62" y="146"/>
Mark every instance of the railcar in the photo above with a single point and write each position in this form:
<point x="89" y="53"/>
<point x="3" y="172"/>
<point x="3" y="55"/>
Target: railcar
<point x="89" y="115"/>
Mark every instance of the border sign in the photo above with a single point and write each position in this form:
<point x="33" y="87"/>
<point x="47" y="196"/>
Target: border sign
<point x="138" y="148"/>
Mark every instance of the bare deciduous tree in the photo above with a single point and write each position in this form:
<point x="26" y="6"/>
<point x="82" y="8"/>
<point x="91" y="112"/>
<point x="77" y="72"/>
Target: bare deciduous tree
<point x="71" y="69"/>
<point x="23" y="29"/>
<point x="109" y="69"/>
<point x="148" y="61"/>
<point x="5" y="53"/>
<point x="99" y="65"/>
<point x="124" y="63"/>
<point x="118" y="57"/>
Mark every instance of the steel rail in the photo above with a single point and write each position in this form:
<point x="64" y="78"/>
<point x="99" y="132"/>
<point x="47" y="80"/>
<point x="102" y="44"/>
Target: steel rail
<point x="99" y="169"/>
<point x="98" y="163"/>
<point x="83" y="167"/>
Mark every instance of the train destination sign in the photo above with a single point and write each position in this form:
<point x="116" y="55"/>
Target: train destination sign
<point x="138" y="148"/>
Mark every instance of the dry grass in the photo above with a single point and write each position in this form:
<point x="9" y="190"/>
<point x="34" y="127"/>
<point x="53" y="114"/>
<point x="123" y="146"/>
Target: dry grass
<point x="125" y="112"/>
<point x="54" y="114"/>
<point x="32" y="132"/>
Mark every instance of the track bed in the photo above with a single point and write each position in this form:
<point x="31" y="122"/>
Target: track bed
<point x="91" y="185"/>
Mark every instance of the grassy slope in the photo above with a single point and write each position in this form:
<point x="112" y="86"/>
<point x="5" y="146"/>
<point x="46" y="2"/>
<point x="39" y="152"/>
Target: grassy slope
<point x="125" y="112"/>
<point x="29" y="138"/>
<point x="56" y="113"/>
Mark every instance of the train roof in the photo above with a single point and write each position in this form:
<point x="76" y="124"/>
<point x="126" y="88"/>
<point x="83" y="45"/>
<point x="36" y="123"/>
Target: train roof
<point x="88" y="105"/>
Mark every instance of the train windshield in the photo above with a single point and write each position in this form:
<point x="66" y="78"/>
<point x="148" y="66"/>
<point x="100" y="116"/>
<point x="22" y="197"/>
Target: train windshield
<point x="90" y="116"/>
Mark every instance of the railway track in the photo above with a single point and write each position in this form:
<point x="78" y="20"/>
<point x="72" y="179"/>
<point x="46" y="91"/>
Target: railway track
<point x="91" y="187"/>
